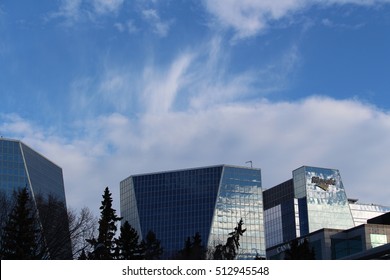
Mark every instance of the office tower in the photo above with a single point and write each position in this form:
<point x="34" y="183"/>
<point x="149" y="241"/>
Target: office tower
<point x="21" y="166"/>
<point x="208" y="200"/>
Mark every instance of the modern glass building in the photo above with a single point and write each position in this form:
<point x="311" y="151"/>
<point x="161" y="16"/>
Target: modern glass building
<point x="21" y="166"/>
<point x="209" y="200"/>
<point x="313" y="199"/>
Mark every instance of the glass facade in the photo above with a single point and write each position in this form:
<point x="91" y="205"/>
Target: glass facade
<point x="21" y="166"/>
<point x="313" y="199"/>
<point x="327" y="202"/>
<point x="209" y="200"/>
<point x="280" y="214"/>
<point x="12" y="169"/>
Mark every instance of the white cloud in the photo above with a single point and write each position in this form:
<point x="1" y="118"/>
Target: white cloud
<point x="329" y="23"/>
<point x="73" y="11"/>
<point x="277" y="137"/>
<point x="160" y="27"/>
<point x="162" y="87"/>
<point x="70" y="10"/>
<point x="198" y="77"/>
<point x="250" y="17"/>
<point x="107" y="6"/>
<point x="128" y="26"/>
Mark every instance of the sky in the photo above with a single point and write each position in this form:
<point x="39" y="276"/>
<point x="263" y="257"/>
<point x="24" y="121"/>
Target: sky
<point x="111" y="88"/>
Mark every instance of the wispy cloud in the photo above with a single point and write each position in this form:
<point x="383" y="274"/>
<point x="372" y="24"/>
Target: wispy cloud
<point x="251" y="17"/>
<point x="196" y="78"/>
<point x="129" y="26"/>
<point x="107" y="6"/>
<point x="70" y="10"/>
<point x="161" y="87"/>
<point x="74" y="11"/>
<point x="159" y="26"/>
<point x="331" y="24"/>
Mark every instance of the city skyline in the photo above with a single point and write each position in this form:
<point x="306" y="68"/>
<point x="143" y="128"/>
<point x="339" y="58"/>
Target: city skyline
<point x="111" y="88"/>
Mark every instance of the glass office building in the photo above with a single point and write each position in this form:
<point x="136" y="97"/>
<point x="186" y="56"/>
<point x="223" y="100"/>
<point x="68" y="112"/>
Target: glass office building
<point x="313" y="199"/>
<point x="209" y="200"/>
<point x="21" y="166"/>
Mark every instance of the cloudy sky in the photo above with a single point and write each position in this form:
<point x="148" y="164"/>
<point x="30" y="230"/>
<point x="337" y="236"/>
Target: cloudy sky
<point x="110" y="88"/>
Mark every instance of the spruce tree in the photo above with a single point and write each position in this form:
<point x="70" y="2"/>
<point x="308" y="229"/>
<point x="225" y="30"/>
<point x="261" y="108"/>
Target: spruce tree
<point x="151" y="247"/>
<point x="104" y="245"/>
<point x="193" y="249"/>
<point x="21" y="232"/>
<point x="127" y="245"/>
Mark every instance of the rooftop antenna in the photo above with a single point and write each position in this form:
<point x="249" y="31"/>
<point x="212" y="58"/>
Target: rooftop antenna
<point x="249" y="161"/>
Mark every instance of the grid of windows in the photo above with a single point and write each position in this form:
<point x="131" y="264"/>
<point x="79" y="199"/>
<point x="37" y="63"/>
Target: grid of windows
<point x="313" y="199"/>
<point x="281" y="211"/>
<point x="45" y="177"/>
<point x="279" y="194"/>
<point x="274" y="225"/>
<point x="175" y="205"/>
<point x="327" y="203"/>
<point x="240" y="196"/>
<point x="20" y="167"/>
<point x="210" y="200"/>
<point x="12" y="171"/>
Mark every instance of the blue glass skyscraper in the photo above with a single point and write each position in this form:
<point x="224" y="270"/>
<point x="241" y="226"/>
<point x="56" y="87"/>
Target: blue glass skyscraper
<point x="21" y="166"/>
<point x="209" y="200"/>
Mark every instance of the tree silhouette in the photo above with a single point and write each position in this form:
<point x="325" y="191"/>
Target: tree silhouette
<point x="151" y="247"/>
<point x="21" y="234"/>
<point x="127" y="245"/>
<point x="193" y="249"/>
<point x="61" y="233"/>
<point x="104" y="245"/>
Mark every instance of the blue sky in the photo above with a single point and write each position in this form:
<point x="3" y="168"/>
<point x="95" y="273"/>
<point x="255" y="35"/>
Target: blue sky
<point x="110" y="88"/>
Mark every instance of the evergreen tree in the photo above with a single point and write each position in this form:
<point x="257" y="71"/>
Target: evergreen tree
<point x="193" y="249"/>
<point x="185" y="253"/>
<point x="21" y="233"/>
<point x="198" y="250"/>
<point x="127" y="245"/>
<point x="151" y="247"/>
<point x="104" y="245"/>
